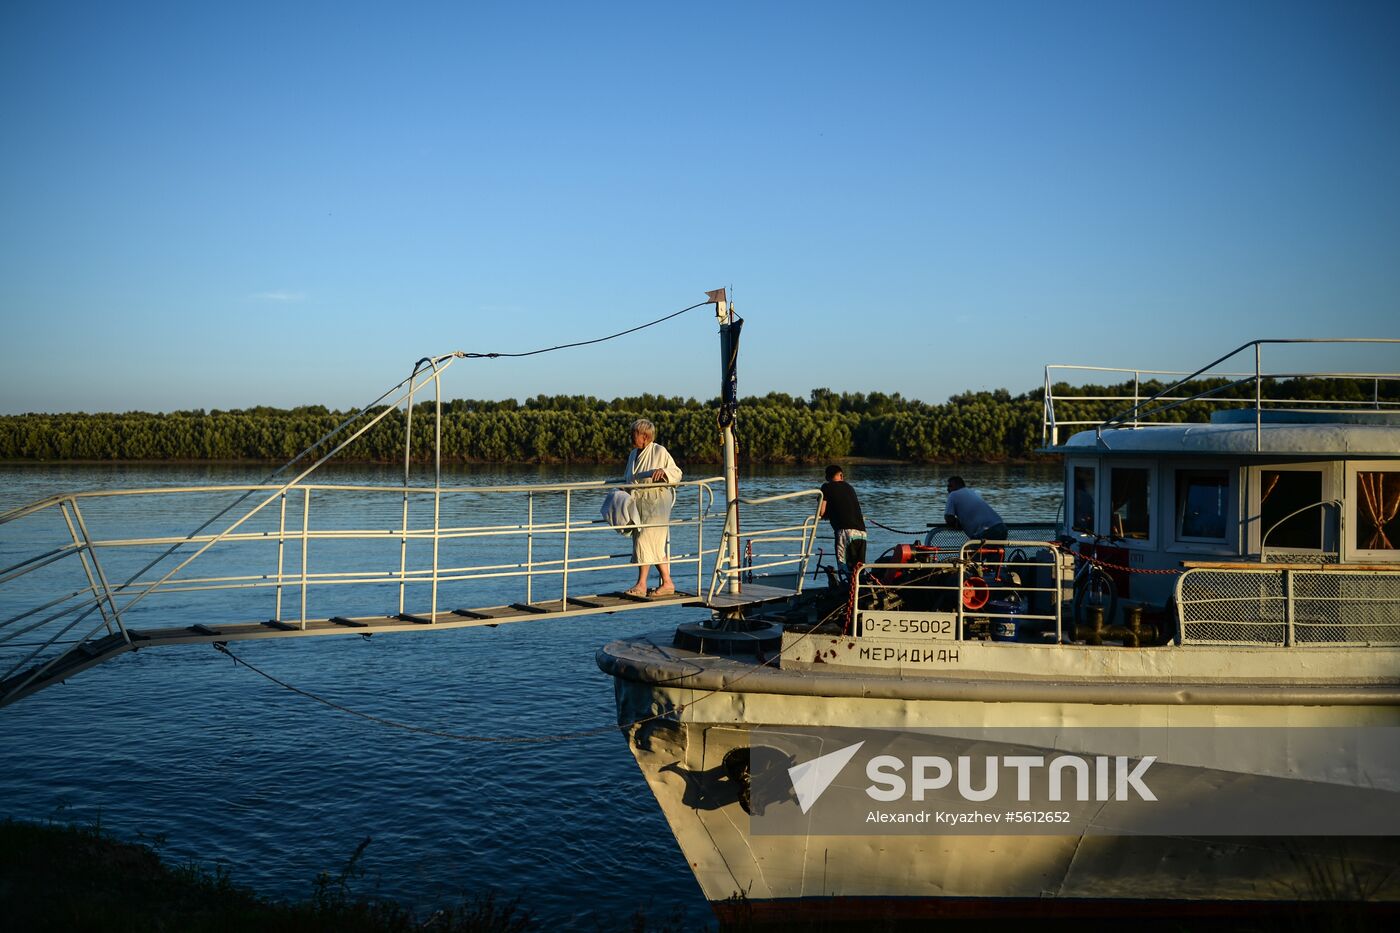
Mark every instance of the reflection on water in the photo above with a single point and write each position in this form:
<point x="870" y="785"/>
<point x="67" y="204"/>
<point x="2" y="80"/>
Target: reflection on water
<point x="231" y="768"/>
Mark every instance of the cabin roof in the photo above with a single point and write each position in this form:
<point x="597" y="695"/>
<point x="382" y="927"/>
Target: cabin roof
<point x="1329" y="439"/>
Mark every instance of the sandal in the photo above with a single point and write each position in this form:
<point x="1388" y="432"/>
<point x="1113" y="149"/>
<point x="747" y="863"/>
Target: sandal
<point x="662" y="591"/>
<point x="638" y="591"/>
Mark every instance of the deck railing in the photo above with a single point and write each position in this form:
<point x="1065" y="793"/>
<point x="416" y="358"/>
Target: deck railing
<point x="795" y="532"/>
<point x="938" y="599"/>
<point x="1013" y="588"/>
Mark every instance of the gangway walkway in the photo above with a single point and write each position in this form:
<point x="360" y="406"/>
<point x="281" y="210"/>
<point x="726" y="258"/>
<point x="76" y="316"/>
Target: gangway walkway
<point x="81" y="588"/>
<point x="90" y="653"/>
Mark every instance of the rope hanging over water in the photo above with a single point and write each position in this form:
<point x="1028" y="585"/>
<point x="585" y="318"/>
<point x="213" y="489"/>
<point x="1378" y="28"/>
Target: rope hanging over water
<point x="408" y="727"/>
<point x="521" y="739"/>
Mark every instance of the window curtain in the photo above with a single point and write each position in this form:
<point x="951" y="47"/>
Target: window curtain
<point x="1379" y="503"/>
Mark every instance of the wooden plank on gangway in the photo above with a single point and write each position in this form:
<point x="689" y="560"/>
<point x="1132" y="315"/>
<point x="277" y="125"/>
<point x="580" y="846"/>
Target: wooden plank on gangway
<point x="497" y="613"/>
<point x="750" y="593"/>
<point x="456" y="618"/>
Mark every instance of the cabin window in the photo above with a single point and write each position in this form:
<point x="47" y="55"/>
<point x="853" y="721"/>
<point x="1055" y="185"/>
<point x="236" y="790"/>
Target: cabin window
<point x="1082" y="498"/>
<point x="1377" y="507"/>
<point x="1282" y="494"/>
<point x="1202" y="504"/>
<point x="1131" y="491"/>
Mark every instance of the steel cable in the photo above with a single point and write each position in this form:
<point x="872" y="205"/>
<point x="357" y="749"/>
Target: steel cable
<point x="584" y="343"/>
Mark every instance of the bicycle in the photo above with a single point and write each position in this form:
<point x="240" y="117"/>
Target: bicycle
<point x="1093" y="586"/>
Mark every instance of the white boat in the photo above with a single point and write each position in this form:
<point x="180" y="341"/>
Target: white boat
<point x="1249" y="666"/>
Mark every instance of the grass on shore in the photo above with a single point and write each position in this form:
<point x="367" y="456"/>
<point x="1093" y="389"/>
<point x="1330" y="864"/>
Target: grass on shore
<point x="65" y="877"/>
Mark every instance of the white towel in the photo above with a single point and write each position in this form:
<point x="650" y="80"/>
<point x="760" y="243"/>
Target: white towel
<point x="620" y="511"/>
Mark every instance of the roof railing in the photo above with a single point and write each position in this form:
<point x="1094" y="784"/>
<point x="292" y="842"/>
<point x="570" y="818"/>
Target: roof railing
<point x="1147" y="408"/>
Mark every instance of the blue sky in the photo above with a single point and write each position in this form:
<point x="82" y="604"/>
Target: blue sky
<point x="224" y="205"/>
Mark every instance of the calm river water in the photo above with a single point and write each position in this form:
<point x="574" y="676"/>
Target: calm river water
<point x="228" y="768"/>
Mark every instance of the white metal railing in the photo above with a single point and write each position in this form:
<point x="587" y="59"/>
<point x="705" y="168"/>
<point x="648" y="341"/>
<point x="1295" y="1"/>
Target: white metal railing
<point x="287" y="552"/>
<point x="1333" y="606"/>
<point x="789" y="567"/>
<point x="1323" y="555"/>
<point x="1002" y="584"/>
<point x="1142" y="409"/>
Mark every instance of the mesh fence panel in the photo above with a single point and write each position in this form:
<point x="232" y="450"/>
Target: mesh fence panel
<point x="1346" y="608"/>
<point x="1328" y="607"/>
<point x="1235" y="608"/>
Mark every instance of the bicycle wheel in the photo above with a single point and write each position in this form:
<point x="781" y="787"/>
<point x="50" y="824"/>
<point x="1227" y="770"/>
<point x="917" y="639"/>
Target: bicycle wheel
<point x="1095" y="589"/>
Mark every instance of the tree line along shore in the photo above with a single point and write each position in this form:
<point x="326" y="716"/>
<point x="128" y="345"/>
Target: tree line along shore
<point x="774" y="428"/>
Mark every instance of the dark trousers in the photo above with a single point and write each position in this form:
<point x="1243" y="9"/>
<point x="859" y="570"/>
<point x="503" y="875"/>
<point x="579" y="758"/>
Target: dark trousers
<point x="995" y="532"/>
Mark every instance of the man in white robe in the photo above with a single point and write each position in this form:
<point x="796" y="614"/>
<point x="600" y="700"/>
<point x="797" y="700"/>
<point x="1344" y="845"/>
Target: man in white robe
<point x="648" y="463"/>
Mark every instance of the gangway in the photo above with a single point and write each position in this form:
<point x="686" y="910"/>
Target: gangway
<point x="93" y="575"/>
<point x="299" y="551"/>
<point x="92" y="652"/>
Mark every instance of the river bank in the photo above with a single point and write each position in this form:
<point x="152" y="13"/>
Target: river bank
<point x="791" y="432"/>
<point x="70" y="877"/>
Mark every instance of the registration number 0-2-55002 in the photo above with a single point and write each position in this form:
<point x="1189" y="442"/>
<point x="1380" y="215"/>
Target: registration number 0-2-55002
<point x="934" y="626"/>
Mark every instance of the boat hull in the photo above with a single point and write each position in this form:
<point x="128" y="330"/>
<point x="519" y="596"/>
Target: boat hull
<point x="684" y="732"/>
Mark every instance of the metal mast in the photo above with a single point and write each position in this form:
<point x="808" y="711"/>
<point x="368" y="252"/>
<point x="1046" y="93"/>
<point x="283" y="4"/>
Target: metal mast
<point x="729" y="327"/>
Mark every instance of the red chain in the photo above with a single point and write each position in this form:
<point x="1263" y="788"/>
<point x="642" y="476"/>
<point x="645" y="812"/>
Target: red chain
<point x="1099" y="562"/>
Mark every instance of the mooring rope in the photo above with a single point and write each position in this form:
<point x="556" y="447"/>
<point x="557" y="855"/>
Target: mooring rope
<point x="671" y="714"/>
<point x="408" y="727"/>
<point x="895" y="530"/>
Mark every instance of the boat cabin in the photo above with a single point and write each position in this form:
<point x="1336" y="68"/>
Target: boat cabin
<point x="1215" y="470"/>
<point x="1300" y="487"/>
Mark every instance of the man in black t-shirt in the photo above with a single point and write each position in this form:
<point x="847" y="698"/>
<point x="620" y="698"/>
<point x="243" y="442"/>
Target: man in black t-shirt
<point x="841" y="507"/>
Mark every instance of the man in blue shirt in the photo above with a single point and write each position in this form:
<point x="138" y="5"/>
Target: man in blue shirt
<point x="967" y="510"/>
